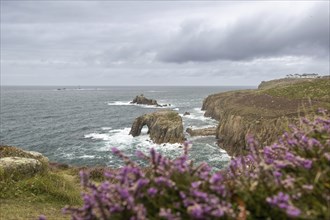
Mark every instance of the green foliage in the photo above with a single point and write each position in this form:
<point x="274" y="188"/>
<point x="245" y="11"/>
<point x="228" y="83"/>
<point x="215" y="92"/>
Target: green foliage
<point x="50" y="187"/>
<point x="316" y="90"/>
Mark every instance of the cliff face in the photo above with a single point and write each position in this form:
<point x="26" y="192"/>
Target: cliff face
<point x="260" y="113"/>
<point x="163" y="126"/>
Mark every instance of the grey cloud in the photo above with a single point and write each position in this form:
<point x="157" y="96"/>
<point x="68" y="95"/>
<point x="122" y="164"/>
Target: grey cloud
<point x="263" y="35"/>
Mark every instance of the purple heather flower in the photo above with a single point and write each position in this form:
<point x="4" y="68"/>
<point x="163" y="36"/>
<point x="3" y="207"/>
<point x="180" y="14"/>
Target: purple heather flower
<point x="152" y="191"/>
<point x="165" y="181"/>
<point x="42" y="217"/>
<point x="200" y="195"/>
<point x="140" y="154"/>
<point x="196" y="184"/>
<point x="293" y="211"/>
<point x="115" y="150"/>
<point x="167" y="214"/>
<point x="124" y="193"/>
<point x="215" y="178"/>
<point x="308" y="187"/>
<point x="288" y="182"/>
<point x="195" y="211"/>
<point x="141" y="183"/>
<point x="182" y="195"/>
<point x="327" y="156"/>
<point x="83" y="178"/>
<point x="307" y="164"/>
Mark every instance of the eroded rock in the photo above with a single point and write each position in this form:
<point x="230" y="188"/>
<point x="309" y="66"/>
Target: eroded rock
<point x="163" y="126"/>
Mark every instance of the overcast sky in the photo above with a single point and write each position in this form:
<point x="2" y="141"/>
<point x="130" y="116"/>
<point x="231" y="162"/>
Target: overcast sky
<point x="161" y="43"/>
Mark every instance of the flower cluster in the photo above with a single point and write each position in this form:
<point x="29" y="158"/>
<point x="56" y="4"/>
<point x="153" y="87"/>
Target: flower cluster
<point x="289" y="179"/>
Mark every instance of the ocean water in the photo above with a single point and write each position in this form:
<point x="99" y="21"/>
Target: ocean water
<point x="79" y="126"/>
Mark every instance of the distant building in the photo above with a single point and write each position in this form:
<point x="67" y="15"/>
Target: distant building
<point x="304" y="75"/>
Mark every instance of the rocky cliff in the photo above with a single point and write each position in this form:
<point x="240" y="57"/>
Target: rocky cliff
<point x="264" y="113"/>
<point x="163" y="126"/>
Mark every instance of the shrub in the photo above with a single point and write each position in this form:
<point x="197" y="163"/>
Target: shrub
<point x="287" y="180"/>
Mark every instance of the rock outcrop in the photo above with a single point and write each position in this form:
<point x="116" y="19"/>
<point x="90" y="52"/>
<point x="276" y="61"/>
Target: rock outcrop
<point x="141" y="100"/>
<point x="163" y="126"/>
<point x="17" y="164"/>
<point x="265" y="114"/>
<point x="202" y="131"/>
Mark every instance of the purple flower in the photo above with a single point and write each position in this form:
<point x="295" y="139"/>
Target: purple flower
<point x="307" y="164"/>
<point x="195" y="211"/>
<point x="327" y="155"/>
<point x="152" y="191"/>
<point x="308" y="187"/>
<point x="196" y="184"/>
<point x="293" y="211"/>
<point x="42" y="217"/>
<point x="115" y="150"/>
<point x="167" y="214"/>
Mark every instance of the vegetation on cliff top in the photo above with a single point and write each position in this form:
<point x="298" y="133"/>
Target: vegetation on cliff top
<point x="317" y="89"/>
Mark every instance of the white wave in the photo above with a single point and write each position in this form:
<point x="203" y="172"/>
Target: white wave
<point x="200" y="118"/>
<point x="121" y="139"/>
<point x="120" y="103"/>
<point x="96" y="136"/>
<point x="199" y="110"/>
<point x="201" y="127"/>
<point x="106" y="128"/>
<point x="176" y="109"/>
<point x="155" y="91"/>
<point x="128" y="103"/>
<point x="87" y="156"/>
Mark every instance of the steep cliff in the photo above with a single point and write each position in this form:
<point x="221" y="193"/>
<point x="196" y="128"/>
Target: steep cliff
<point x="263" y="113"/>
<point x="163" y="126"/>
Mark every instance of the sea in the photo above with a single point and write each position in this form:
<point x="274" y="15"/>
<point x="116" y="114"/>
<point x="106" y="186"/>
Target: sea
<point x="80" y="125"/>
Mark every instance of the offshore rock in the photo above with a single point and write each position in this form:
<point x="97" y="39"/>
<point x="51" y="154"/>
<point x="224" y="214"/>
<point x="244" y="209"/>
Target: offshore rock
<point x="163" y="126"/>
<point x="141" y="100"/>
<point x="202" y="131"/>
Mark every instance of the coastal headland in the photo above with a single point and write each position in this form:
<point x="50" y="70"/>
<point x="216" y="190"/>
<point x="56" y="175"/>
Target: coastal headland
<point x="265" y="112"/>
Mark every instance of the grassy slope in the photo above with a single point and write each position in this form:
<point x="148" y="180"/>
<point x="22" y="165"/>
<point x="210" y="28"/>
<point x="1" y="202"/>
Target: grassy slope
<point x="318" y="89"/>
<point x="42" y="194"/>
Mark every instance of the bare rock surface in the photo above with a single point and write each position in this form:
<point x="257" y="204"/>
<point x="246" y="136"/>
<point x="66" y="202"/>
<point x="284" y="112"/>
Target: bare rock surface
<point x="202" y="131"/>
<point x="18" y="164"/>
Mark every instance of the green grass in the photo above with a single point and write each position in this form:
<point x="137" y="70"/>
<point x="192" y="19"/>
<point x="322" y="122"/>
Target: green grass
<point x="42" y="194"/>
<point x="318" y="89"/>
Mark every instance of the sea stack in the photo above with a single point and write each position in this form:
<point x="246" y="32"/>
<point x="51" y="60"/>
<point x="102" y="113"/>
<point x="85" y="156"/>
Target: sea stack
<point x="163" y="126"/>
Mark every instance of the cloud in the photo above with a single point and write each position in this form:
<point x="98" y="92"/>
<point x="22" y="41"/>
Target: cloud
<point x="161" y="42"/>
<point x="262" y="35"/>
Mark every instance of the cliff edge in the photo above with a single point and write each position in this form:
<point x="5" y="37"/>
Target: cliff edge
<point x="265" y="112"/>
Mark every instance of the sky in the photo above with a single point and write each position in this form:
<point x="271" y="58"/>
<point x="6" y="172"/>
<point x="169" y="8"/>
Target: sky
<point x="205" y="43"/>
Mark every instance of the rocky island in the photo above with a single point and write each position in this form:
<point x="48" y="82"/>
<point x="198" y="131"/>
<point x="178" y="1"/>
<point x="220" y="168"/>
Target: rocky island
<point x="142" y="100"/>
<point x="163" y="126"/>
<point x="265" y="112"/>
